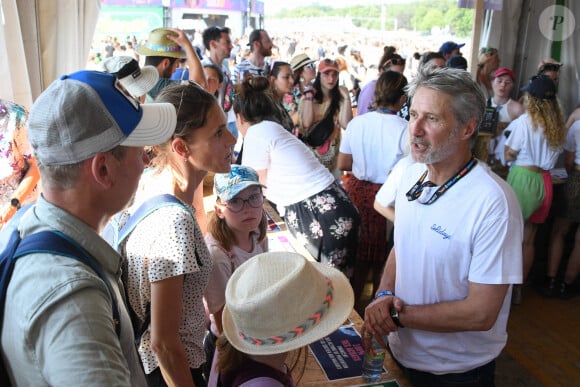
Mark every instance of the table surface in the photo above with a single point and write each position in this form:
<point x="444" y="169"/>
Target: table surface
<point x="307" y="371"/>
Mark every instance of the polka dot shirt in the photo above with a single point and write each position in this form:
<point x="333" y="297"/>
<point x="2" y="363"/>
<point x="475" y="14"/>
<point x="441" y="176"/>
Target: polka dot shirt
<point x="165" y="244"/>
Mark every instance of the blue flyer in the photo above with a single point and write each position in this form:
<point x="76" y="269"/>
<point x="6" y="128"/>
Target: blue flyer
<point x="340" y="354"/>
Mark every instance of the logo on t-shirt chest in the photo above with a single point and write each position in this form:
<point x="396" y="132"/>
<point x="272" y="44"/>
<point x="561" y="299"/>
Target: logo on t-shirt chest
<point x="441" y="231"/>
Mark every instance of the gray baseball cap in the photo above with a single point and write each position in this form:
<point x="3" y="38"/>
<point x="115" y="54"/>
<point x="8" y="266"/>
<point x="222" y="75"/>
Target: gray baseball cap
<point x="87" y="112"/>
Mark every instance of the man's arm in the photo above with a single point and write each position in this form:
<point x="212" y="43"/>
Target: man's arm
<point x="477" y="312"/>
<point x="378" y="321"/>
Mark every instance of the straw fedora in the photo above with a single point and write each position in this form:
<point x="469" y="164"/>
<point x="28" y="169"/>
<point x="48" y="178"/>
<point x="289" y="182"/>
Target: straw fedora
<point x="279" y="301"/>
<point x="138" y="81"/>
<point x="159" y="45"/>
<point x="299" y="61"/>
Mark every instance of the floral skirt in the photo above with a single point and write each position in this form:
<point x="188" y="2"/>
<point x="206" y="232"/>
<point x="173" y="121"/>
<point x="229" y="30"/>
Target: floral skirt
<point x="327" y="224"/>
<point x="372" y="245"/>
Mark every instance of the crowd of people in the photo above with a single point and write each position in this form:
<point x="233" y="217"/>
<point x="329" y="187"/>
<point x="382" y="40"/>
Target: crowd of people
<point x="364" y="164"/>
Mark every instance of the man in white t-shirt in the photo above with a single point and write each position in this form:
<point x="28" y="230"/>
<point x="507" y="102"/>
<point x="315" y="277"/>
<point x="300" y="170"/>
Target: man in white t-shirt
<point x="458" y="238"/>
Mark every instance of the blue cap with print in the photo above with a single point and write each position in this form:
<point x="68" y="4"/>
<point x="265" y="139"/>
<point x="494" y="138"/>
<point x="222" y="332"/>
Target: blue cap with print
<point x="227" y="185"/>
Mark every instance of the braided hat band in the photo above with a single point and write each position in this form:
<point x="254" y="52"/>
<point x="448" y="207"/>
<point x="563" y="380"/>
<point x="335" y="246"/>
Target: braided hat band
<point x="299" y="330"/>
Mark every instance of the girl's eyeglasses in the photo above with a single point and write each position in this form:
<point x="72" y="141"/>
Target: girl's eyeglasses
<point x="236" y="204"/>
<point x="310" y="66"/>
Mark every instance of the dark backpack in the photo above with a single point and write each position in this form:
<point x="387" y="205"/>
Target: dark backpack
<point x="51" y="242"/>
<point x="118" y="230"/>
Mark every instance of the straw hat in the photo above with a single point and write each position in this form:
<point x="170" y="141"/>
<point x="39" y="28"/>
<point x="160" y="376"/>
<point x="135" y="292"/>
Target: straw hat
<point x="138" y="81"/>
<point x="159" y="45"/>
<point x="299" y="61"/>
<point x="279" y="301"/>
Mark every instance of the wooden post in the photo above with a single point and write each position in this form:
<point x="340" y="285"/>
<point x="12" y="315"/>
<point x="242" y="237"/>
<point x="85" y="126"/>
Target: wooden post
<point x="476" y="37"/>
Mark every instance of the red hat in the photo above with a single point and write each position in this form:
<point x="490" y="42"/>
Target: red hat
<point x="327" y="65"/>
<point x="504" y="71"/>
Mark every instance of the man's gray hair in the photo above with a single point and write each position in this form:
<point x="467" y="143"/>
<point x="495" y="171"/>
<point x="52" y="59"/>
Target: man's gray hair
<point x="61" y="177"/>
<point x="467" y="100"/>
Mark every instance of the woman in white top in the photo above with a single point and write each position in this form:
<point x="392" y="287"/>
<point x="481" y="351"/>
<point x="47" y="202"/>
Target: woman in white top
<point x="371" y="146"/>
<point x="507" y="109"/>
<point x="168" y="261"/>
<point x="534" y="145"/>
<point x="318" y="212"/>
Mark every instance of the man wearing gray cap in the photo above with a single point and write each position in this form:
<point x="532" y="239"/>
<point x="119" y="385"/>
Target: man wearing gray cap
<point x="88" y="136"/>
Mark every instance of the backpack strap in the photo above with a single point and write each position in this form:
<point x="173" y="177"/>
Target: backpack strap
<point x="55" y="242"/>
<point x="117" y="234"/>
<point x="145" y="209"/>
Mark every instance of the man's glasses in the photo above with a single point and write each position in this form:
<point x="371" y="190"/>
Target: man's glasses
<point x="236" y="204"/>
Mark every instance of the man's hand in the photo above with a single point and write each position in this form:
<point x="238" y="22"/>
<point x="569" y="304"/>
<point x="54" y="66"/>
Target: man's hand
<point x="179" y="38"/>
<point x="378" y="321"/>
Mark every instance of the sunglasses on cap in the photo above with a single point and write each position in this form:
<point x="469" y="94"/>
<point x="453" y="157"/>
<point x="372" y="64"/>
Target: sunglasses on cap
<point x="488" y="51"/>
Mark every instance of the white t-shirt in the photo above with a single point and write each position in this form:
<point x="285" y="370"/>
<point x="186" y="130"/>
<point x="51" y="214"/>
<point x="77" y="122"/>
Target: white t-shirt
<point x="531" y="144"/>
<point x="376" y="142"/>
<point x="573" y="141"/>
<point x="472" y="233"/>
<point x="294" y="173"/>
<point x="388" y="191"/>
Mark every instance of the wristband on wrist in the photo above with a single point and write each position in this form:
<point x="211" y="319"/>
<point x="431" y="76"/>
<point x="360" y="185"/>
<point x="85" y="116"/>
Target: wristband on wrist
<point x="383" y="293"/>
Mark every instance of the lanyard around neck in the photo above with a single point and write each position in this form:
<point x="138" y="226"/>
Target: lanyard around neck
<point x="417" y="189"/>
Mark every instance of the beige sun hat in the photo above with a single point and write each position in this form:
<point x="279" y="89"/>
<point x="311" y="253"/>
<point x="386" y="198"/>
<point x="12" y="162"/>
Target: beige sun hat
<point x="279" y="301"/>
<point x="138" y="81"/>
<point x="299" y="61"/>
<point x="159" y="45"/>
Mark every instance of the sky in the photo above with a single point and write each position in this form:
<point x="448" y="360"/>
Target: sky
<point x="273" y="6"/>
